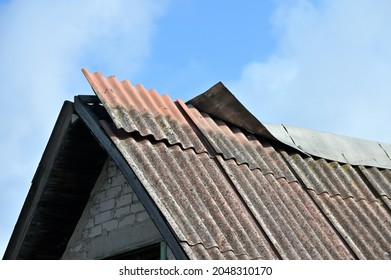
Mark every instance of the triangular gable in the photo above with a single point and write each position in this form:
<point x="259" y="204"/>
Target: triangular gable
<point x="59" y="191"/>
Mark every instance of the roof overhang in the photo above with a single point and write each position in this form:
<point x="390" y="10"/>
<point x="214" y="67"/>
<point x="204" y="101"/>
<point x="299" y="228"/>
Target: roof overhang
<point x="65" y="177"/>
<point x="59" y="191"/>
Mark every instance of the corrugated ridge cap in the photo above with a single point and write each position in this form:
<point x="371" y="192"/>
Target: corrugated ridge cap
<point x="219" y="102"/>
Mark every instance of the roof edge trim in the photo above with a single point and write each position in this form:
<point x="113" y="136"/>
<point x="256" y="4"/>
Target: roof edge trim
<point x="39" y="180"/>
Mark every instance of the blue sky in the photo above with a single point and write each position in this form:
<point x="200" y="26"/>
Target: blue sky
<point x="323" y="65"/>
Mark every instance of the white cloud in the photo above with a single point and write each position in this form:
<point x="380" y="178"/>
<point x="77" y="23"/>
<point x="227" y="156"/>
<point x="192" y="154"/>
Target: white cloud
<point x="44" y="44"/>
<point x="331" y="70"/>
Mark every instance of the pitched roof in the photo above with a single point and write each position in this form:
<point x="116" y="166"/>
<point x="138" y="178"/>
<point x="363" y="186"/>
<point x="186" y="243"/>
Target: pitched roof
<point x="219" y="184"/>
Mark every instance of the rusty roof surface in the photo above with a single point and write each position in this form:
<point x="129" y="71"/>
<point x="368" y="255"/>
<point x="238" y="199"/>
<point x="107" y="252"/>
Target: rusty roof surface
<point x="236" y="195"/>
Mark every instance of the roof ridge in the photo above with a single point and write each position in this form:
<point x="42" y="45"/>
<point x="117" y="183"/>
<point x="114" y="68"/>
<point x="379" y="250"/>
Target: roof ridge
<point x="219" y="102"/>
<point x="136" y="109"/>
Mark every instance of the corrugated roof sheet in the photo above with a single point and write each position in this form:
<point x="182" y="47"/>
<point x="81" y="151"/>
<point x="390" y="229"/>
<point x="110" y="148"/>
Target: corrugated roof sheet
<point x="235" y="195"/>
<point x="234" y="143"/>
<point x="203" y="207"/>
<point x="331" y="177"/>
<point x="350" y="202"/>
<point x="380" y="179"/>
<point x="364" y="226"/>
<point x="196" y="199"/>
<point x="288" y="215"/>
<point x="340" y="148"/>
<point x="134" y="108"/>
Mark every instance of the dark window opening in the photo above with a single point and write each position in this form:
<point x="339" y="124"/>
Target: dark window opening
<point x="156" y="251"/>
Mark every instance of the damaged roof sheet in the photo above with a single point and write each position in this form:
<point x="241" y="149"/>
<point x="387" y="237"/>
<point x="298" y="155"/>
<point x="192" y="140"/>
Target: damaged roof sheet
<point x="316" y="143"/>
<point x="232" y="194"/>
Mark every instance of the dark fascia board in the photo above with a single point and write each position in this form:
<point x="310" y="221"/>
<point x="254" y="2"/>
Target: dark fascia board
<point x="92" y="122"/>
<point x="65" y="119"/>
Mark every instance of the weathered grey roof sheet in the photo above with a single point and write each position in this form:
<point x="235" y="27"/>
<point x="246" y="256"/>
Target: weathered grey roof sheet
<point x="232" y="194"/>
<point x="344" y="194"/>
<point x="334" y="147"/>
<point x="195" y="197"/>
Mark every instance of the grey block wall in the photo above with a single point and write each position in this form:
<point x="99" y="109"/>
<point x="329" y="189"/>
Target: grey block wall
<point x="113" y="222"/>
